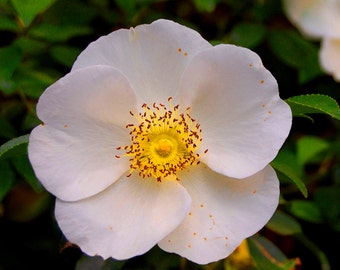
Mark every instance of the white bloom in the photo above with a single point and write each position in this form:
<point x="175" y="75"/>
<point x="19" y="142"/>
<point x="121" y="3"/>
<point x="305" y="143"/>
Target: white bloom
<point x="330" y="57"/>
<point x="319" y="19"/>
<point x="143" y="140"/>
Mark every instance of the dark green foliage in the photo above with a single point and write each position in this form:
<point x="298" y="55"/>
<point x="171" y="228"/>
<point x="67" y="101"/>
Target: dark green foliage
<point x="40" y="41"/>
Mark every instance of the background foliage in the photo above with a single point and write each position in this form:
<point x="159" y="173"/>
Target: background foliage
<point x="39" y="41"/>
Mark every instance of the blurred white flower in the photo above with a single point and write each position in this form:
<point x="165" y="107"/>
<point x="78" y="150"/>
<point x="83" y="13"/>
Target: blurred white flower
<point x="157" y="137"/>
<point x="330" y="57"/>
<point x="319" y="19"/>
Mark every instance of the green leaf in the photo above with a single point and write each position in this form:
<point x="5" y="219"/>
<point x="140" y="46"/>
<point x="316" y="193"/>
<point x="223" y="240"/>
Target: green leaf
<point x="306" y="210"/>
<point x="283" y="224"/>
<point x="205" y="5"/>
<point x="247" y="34"/>
<point x="29" y="9"/>
<point x="23" y="166"/>
<point x="14" y="147"/>
<point x="314" y="103"/>
<point x="30" y="121"/>
<point x="74" y="12"/>
<point x="308" y="147"/>
<point x="30" y="46"/>
<point x="290" y="47"/>
<point x="328" y="201"/>
<point x="57" y="33"/>
<point x="65" y="55"/>
<point x="129" y="7"/>
<point x="8" y="24"/>
<point x="10" y="58"/>
<point x="7" y="86"/>
<point x="286" y="163"/>
<point x="7" y="130"/>
<point x="267" y="255"/>
<point x="7" y="178"/>
<point x="33" y="82"/>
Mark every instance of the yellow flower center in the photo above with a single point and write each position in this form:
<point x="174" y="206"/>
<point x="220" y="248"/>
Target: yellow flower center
<point x="163" y="142"/>
<point x="163" y="147"/>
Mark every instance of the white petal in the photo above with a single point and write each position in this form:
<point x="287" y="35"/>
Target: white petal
<point x="330" y="57"/>
<point x="224" y="212"/>
<point x="315" y="18"/>
<point x="236" y="100"/>
<point x="84" y="116"/>
<point x="125" y="220"/>
<point x="151" y="56"/>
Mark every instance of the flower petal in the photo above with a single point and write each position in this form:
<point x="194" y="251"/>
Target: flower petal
<point x="151" y="56"/>
<point x="330" y="57"/>
<point x="125" y="220"/>
<point x="224" y="212"/>
<point x="236" y="100"/>
<point x="84" y="116"/>
<point x="315" y="18"/>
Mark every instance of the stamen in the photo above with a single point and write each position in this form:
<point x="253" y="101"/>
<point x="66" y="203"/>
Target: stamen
<point x="163" y="142"/>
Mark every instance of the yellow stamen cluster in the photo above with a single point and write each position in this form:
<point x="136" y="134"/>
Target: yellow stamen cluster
<point x="164" y="142"/>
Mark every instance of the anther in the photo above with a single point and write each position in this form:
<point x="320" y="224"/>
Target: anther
<point x="163" y="143"/>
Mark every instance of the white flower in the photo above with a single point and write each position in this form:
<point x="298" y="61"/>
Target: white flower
<point x="143" y="140"/>
<point x="319" y="19"/>
<point x="330" y="57"/>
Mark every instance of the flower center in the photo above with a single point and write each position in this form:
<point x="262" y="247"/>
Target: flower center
<point x="164" y="147"/>
<point x="163" y="142"/>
